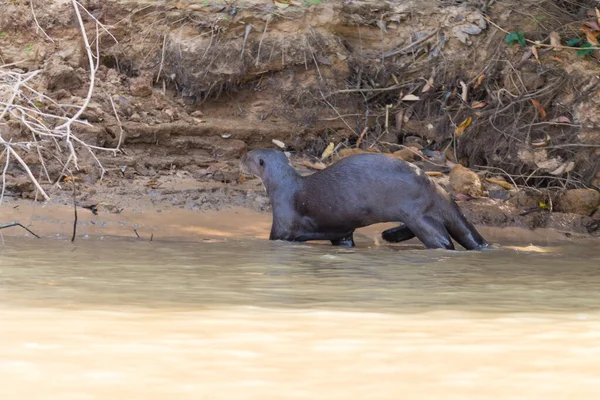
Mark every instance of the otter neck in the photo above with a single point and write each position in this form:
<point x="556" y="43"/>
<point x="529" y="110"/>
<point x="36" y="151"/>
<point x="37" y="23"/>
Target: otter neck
<point x="281" y="182"/>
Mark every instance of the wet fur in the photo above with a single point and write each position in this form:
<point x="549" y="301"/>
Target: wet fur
<point x="358" y="191"/>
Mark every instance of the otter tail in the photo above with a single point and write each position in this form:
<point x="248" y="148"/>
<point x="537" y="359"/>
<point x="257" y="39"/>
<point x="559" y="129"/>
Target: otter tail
<point x="398" y="234"/>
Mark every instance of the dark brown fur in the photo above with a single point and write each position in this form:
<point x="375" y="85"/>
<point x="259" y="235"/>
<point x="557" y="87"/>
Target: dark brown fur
<point x="357" y="191"/>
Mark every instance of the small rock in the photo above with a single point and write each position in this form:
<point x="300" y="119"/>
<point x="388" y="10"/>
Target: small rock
<point x="524" y="199"/>
<point x="141" y="86"/>
<point x="62" y="77"/>
<point x="93" y="113"/>
<point x="596" y="180"/>
<point x="579" y="201"/>
<point x="405" y="154"/>
<point x="389" y="137"/>
<point x="414" y="141"/>
<point x="499" y="194"/>
<point x="465" y="181"/>
<point x="197" y="114"/>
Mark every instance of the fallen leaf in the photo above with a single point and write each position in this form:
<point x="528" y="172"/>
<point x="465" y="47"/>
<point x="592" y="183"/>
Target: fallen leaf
<point x="563" y="120"/>
<point x="278" y="143"/>
<point x="313" y="165"/>
<point x="592" y="24"/>
<point x="465" y="91"/>
<point x="281" y="5"/>
<point x="540" y="109"/>
<point x="503" y="184"/>
<point x="543" y="205"/>
<point x="555" y="40"/>
<point x="479" y="81"/>
<point x="410" y="97"/>
<point x="535" y="54"/>
<point x="434" y="173"/>
<point x="559" y="170"/>
<point x="463" y="125"/>
<point x="69" y="179"/>
<point x="591" y="38"/>
<point x="570" y="166"/>
<point x="479" y="104"/>
<point x="560" y="60"/>
<point x="542" y="142"/>
<point x="180" y="5"/>
<point x="428" y="85"/>
<point x="328" y="151"/>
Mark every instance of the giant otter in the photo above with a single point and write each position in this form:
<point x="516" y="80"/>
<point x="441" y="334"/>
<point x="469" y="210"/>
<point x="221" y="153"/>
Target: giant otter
<point x="357" y="191"/>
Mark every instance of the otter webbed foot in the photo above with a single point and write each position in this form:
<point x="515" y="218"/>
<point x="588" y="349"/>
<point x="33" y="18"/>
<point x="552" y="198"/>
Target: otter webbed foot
<point x="345" y="242"/>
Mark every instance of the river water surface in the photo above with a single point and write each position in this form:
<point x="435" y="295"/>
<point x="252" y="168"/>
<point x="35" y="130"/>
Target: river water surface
<point x="253" y="319"/>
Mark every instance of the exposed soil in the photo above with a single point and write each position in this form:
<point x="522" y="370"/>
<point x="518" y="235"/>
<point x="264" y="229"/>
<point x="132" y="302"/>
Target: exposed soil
<point x="195" y="84"/>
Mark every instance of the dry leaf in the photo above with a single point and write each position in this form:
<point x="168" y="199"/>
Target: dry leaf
<point x="463" y="125"/>
<point x="535" y="54"/>
<point x="180" y="5"/>
<point x="479" y="81"/>
<point x="313" y="165"/>
<point x="465" y="91"/>
<point x="281" y="4"/>
<point x="428" y="85"/>
<point x="410" y="97"/>
<point x="591" y="38"/>
<point x="328" y="151"/>
<point x="570" y="166"/>
<point x="563" y="120"/>
<point x="560" y="60"/>
<point x="434" y="173"/>
<point x="278" y="143"/>
<point x="539" y="107"/>
<point x="542" y="143"/>
<point x="555" y="40"/>
<point x="479" y="104"/>
<point x="503" y="184"/>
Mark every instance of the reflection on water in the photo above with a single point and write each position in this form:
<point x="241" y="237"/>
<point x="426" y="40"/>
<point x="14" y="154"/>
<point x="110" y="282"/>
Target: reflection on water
<point x="262" y="320"/>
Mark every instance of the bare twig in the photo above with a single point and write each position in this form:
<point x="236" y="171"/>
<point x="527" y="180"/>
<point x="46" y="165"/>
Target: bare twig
<point x="22" y="226"/>
<point x="410" y="46"/>
<point x="261" y="41"/>
<point x="162" y="60"/>
<point x="37" y="25"/>
<point x="74" y="208"/>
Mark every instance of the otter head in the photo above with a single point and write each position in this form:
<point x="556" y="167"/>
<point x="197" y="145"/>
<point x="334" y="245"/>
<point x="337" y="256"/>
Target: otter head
<point x="258" y="162"/>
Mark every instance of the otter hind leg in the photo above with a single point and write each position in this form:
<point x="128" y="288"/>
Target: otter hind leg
<point x="397" y="234"/>
<point x="431" y="232"/>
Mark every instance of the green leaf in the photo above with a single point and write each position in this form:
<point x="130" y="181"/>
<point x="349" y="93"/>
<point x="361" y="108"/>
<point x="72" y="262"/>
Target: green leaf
<point x="585" y="50"/>
<point x="574" y="42"/>
<point x="515" y="37"/>
<point x="3" y="34"/>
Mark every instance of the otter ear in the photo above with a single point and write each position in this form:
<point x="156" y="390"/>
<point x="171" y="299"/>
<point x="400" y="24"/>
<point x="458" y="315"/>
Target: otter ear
<point x="261" y="162"/>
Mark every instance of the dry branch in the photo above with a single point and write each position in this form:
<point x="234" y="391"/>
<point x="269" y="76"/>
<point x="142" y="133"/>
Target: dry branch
<point x="18" y="102"/>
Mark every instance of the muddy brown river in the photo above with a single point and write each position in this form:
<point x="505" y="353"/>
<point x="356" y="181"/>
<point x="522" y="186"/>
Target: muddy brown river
<point x="253" y="319"/>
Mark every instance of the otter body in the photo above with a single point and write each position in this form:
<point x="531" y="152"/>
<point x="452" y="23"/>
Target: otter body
<point x="358" y="191"/>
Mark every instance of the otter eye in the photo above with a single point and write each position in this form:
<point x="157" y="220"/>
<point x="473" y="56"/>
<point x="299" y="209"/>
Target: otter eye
<point x="261" y="162"/>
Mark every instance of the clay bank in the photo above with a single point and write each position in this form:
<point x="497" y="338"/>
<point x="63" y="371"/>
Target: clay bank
<point x="139" y="112"/>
